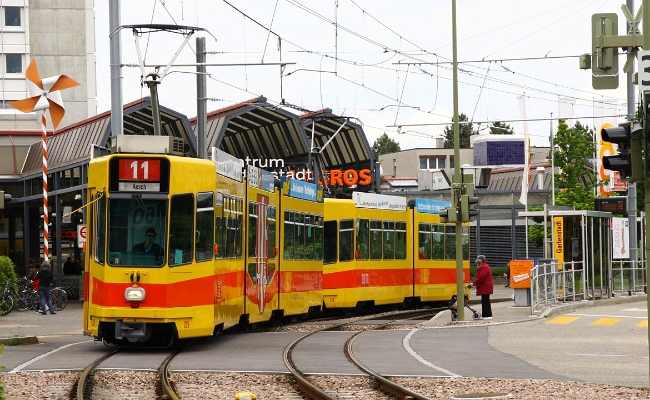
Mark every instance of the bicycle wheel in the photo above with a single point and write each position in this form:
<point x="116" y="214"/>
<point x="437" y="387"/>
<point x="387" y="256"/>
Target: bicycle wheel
<point x="23" y="302"/>
<point x="34" y="301"/>
<point x="6" y="303"/>
<point x="59" y="299"/>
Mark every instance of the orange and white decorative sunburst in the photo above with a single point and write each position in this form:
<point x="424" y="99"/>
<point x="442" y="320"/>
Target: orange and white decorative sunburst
<point x="44" y="95"/>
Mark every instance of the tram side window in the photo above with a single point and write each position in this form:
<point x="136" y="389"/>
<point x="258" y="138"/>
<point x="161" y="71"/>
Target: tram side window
<point x="389" y="240"/>
<point x="309" y="237"/>
<point x="450" y="242"/>
<point x="424" y="241"/>
<point x="288" y="235"/>
<point x="219" y="226"/>
<point x="465" y="243"/>
<point x="363" y="238"/>
<point x="204" y="226"/>
<point x="318" y="239"/>
<point x="252" y="229"/>
<point x="438" y="242"/>
<point x="181" y="229"/>
<point x="299" y="221"/>
<point x="345" y="240"/>
<point x="237" y="221"/>
<point x="330" y="241"/>
<point x="100" y="228"/>
<point x="400" y="240"/>
<point x="375" y="240"/>
<point x="270" y="217"/>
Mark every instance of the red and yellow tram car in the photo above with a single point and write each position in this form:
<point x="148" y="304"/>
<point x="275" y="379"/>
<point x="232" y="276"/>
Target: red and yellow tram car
<point x="368" y="262"/>
<point x="149" y="274"/>
<point x="435" y="259"/>
<point x="372" y="255"/>
<point x="301" y="263"/>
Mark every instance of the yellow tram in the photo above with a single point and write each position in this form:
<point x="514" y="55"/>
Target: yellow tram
<point x="372" y="255"/>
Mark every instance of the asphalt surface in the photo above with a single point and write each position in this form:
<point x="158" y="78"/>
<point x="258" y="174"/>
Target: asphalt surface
<point x="603" y="341"/>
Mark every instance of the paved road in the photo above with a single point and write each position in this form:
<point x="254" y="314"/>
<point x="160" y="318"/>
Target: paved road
<point x="606" y="343"/>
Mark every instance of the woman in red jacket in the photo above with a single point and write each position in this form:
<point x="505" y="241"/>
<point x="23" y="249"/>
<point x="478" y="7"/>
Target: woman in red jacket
<point x="484" y="285"/>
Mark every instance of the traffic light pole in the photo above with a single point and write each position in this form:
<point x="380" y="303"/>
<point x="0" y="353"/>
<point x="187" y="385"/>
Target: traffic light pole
<point x="457" y="179"/>
<point x="646" y="46"/>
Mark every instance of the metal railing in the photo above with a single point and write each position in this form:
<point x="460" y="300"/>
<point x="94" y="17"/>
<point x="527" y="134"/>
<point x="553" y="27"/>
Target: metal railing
<point x="555" y="283"/>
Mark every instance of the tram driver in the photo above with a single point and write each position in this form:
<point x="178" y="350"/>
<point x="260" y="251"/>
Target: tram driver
<point x="149" y="247"/>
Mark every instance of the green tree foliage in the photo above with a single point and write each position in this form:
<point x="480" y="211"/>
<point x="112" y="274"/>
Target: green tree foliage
<point x="500" y="128"/>
<point x="573" y="153"/>
<point x="7" y="271"/>
<point x="577" y="178"/>
<point x="384" y="145"/>
<point x="466" y="130"/>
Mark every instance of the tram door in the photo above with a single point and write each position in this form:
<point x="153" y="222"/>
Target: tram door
<point x="258" y="253"/>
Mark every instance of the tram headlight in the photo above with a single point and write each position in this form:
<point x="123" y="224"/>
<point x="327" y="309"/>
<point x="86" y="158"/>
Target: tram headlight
<point x="134" y="294"/>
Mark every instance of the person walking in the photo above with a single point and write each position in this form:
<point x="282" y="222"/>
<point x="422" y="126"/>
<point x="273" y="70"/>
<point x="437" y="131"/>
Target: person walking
<point x="484" y="285"/>
<point x="45" y="278"/>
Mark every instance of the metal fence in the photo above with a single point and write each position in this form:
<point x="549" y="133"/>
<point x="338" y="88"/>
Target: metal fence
<point x="556" y="283"/>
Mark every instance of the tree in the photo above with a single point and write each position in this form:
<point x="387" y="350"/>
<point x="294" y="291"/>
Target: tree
<point x="577" y="179"/>
<point x="384" y="145"/>
<point x="500" y="128"/>
<point x="466" y="130"/>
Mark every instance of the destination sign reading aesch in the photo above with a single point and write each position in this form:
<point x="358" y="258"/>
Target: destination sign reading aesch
<point x="379" y="201"/>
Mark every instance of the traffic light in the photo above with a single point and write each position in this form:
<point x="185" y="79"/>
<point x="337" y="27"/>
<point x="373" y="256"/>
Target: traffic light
<point x="628" y="163"/>
<point x="448" y="215"/>
<point x="468" y="201"/>
<point x="4" y="198"/>
<point x="604" y="66"/>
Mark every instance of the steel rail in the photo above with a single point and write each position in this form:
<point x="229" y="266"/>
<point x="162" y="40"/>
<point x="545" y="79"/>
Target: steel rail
<point x="82" y="386"/>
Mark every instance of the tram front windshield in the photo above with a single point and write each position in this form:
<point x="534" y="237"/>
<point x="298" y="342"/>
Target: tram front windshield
<point x="137" y="232"/>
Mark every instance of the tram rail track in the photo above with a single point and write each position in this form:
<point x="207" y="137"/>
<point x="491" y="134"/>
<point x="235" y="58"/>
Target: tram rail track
<point x="165" y="387"/>
<point x="380" y="383"/>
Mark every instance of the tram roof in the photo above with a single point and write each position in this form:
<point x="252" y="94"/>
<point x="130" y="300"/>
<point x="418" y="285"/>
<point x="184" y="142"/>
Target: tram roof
<point x="74" y="142"/>
<point x="257" y="130"/>
<point x="348" y="150"/>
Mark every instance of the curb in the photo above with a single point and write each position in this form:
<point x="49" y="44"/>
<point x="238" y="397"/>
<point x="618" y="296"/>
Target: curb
<point x="19" y="340"/>
<point x="565" y="308"/>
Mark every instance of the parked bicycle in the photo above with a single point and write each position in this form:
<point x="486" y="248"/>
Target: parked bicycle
<point x="16" y="295"/>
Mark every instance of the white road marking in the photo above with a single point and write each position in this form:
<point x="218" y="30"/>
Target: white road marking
<point x="33" y="360"/>
<point x="636" y="309"/>
<point x="407" y="346"/>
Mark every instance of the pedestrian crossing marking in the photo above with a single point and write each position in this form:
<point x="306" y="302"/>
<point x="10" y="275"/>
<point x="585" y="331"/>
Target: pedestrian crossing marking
<point x="606" y="321"/>
<point x="563" y="320"/>
<point x="642" y="324"/>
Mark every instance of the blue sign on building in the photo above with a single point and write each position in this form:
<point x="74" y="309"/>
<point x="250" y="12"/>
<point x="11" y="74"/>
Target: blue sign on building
<point x="430" y="206"/>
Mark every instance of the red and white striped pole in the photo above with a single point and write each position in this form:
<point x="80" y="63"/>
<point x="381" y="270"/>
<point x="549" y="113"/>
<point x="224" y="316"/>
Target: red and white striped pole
<point x="46" y="235"/>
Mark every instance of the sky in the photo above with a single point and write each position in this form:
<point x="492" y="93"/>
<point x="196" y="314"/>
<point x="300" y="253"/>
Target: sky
<point x="385" y="63"/>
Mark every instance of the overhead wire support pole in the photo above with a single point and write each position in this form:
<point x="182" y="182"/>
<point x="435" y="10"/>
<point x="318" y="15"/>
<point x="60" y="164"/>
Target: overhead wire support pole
<point x="646" y="46"/>
<point x="457" y="180"/>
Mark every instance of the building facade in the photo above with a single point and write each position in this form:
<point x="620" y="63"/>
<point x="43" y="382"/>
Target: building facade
<point x="60" y="36"/>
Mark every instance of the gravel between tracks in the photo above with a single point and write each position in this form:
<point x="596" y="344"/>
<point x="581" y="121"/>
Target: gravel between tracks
<point x="115" y="384"/>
